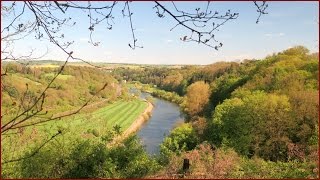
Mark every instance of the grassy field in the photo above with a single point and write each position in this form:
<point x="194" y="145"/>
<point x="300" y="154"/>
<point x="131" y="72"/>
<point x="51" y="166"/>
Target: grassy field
<point x="122" y="113"/>
<point x="45" y="65"/>
<point x="60" y="76"/>
<point x="23" y="80"/>
<point x="119" y="113"/>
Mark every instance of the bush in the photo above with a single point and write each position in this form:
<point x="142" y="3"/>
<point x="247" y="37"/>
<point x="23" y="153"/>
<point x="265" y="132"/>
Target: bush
<point x="204" y="163"/>
<point x="12" y="91"/>
<point x="131" y="159"/>
<point x="182" y="138"/>
<point x="87" y="159"/>
<point x="258" y="168"/>
<point x="95" y="132"/>
<point x="89" y="131"/>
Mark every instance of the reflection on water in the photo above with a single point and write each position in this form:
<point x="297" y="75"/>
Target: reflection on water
<point x="164" y="117"/>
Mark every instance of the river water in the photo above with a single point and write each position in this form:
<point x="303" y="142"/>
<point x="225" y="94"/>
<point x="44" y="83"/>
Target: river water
<point x="165" y="115"/>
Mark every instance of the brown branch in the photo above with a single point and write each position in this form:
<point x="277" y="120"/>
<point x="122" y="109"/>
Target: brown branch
<point x="260" y="9"/>
<point x="68" y="5"/>
<point x="198" y="21"/>
<point x="131" y="26"/>
<point x="7" y="27"/>
<point x="58" y="5"/>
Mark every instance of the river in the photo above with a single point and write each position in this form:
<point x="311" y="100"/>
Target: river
<point x="165" y="115"/>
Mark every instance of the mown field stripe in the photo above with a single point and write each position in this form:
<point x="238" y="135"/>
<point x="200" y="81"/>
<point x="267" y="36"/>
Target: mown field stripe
<point x="78" y="120"/>
<point x="129" y="118"/>
<point x="135" y="115"/>
<point x="103" y="113"/>
<point x="121" y="113"/>
<point x="114" y="114"/>
<point x="108" y="108"/>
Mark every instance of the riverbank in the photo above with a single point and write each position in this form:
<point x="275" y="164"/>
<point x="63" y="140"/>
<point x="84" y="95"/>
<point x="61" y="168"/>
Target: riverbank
<point x="135" y="126"/>
<point x="160" y="93"/>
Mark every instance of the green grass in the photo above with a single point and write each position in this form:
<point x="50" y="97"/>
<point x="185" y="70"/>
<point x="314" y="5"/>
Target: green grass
<point x="24" y="80"/>
<point x="45" y="65"/>
<point x="119" y="113"/>
<point x="60" y="76"/>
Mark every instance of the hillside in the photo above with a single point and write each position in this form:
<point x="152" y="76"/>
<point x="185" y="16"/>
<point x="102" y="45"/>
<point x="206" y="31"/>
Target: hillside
<point x="248" y="119"/>
<point x="257" y="113"/>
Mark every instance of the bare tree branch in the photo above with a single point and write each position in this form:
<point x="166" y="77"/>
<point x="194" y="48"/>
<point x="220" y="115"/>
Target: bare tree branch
<point x="129" y="15"/>
<point x="261" y="9"/>
<point x="197" y="23"/>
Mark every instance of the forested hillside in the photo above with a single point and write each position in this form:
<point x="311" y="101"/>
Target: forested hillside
<point x="74" y="86"/>
<point x="252" y="119"/>
<point x="74" y="144"/>
<point x="260" y="117"/>
<point x="165" y="90"/>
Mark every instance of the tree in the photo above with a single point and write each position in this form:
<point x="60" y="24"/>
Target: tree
<point x="256" y="124"/>
<point x="47" y="23"/>
<point x="89" y="160"/>
<point x="182" y="138"/>
<point x="198" y="95"/>
<point x="45" y="20"/>
<point x="172" y="81"/>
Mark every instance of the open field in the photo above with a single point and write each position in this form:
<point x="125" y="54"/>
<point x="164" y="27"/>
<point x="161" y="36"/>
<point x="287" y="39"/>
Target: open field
<point x="84" y="125"/>
<point x="119" y="113"/>
<point x="45" y="65"/>
<point x="105" y="65"/>
<point x="60" y="76"/>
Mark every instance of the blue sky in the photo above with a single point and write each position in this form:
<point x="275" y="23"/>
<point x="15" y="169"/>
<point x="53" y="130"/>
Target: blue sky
<point x="287" y="24"/>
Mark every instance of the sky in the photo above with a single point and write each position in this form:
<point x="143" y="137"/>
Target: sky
<point x="287" y="24"/>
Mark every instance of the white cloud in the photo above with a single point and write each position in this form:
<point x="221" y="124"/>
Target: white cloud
<point x="168" y="41"/>
<point x="274" y="34"/>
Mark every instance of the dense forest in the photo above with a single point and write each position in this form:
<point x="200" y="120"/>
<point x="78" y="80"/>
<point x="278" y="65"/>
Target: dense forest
<point x="264" y="112"/>
<point x="252" y="119"/>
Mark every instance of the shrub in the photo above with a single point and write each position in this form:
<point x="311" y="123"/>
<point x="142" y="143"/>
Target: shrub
<point x="258" y="168"/>
<point x="88" y="159"/>
<point x="95" y="132"/>
<point x="181" y="139"/>
<point x="12" y="91"/>
<point x="204" y="163"/>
